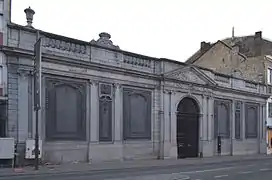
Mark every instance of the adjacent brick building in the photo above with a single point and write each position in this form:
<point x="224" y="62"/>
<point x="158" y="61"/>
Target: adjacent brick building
<point x="246" y="57"/>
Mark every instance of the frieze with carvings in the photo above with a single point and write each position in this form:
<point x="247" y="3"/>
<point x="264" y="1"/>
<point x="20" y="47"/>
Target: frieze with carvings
<point x="188" y="76"/>
<point x="185" y="87"/>
<point x="64" y="45"/>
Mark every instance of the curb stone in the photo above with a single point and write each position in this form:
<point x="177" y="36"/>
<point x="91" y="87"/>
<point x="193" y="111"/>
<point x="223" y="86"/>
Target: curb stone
<point x="139" y="168"/>
<point x="174" y="176"/>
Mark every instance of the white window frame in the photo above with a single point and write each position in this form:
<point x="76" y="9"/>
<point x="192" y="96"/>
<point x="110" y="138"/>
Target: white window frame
<point x="269" y="110"/>
<point x="269" y="75"/>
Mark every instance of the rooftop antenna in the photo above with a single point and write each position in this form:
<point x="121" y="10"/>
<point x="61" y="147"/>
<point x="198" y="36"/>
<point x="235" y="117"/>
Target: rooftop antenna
<point x="232" y="36"/>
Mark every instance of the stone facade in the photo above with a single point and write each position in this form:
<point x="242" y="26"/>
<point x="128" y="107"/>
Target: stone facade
<point x="4" y="19"/>
<point x="100" y="103"/>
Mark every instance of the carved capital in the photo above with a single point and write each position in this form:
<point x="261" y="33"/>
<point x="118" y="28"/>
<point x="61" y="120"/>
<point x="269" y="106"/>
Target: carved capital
<point x="93" y="82"/>
<point x="24" y="73"/>
<point x="117" y="85"/>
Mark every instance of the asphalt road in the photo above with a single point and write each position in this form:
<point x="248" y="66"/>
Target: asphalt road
<point x="243" y="170"/>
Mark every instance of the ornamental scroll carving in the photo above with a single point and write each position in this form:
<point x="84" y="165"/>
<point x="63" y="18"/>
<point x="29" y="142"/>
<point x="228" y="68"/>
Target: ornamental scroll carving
<point x="104" y="41"/>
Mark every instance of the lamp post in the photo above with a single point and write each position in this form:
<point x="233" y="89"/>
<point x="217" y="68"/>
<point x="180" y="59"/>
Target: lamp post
<point x="37" y="94"/>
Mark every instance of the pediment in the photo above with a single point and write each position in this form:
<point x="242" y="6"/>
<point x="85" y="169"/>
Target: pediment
<point x="190" y="74"/>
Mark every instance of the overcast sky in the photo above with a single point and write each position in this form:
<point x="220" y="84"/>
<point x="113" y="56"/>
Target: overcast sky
<point x="160" y="28"/>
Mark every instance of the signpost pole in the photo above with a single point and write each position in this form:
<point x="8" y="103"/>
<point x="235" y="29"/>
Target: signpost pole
<point x="37" y="94"/>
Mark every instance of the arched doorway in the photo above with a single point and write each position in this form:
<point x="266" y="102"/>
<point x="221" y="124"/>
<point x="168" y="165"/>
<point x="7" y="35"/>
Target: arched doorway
<point x="187" y="128"/>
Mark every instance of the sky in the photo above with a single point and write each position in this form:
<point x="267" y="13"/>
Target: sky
<point x="170" y="29"/>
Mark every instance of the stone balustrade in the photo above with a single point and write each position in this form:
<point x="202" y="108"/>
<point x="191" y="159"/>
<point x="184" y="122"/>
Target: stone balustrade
<point x="64" y="45"/>
<point x="137" y="61"/>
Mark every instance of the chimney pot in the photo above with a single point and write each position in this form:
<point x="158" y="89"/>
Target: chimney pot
<point x="29" y="16"/>
<point x="204" y="46"/>
<point x="258" y="34"/>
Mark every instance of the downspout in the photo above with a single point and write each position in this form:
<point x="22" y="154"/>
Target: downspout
<point x="89" y="115"/>
<point x="161" y="113"/>
<point x="232" y="104"/>
<point x="162" y="119"/>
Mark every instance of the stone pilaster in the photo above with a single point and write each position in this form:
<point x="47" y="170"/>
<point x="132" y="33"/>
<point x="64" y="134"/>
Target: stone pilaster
<point x="210" y="117"/>
<point x="118" y="106"/>
<point x="173" y="126"/>
<point x="24" y="114"/>
<point x="203" y="119"/>
<point x="232" y="126"/>
<point x="94" y="121"/>
<point x="264" y="121"/>
<point x="243" y="121"/>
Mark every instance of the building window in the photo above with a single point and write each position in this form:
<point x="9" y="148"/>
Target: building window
<point x="3" y="119"/>
<point x="270" y="109"/>
<point x="1" y="75"/>
<point x="137" y="114"/>
<point x="65" y="110"/>
<point x="105" y="112"/>
<point x="251" y="121"/>
<point x="222" y="118"/>
<point x="269" y="76"/>
<point x="238" y="108"/>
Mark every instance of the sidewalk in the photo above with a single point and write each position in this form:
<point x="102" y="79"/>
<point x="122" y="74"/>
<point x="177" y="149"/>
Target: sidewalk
<point x="117" y="165"/>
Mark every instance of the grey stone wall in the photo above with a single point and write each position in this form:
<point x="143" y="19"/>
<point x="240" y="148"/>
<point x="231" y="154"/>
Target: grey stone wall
<point x="102" y="61"/>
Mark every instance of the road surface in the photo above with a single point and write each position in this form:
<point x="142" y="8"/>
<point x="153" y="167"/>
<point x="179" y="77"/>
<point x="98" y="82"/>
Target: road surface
<point x="243" y="170"/>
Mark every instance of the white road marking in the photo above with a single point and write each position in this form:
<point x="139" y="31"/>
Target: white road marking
<point x="220" y="176"/>
<point x="265" y="169"/>
<point x="208" y="170"/>
<point x="197" y="179"/>
<point x="213" y="170"/>
<point x="245" y="172"/>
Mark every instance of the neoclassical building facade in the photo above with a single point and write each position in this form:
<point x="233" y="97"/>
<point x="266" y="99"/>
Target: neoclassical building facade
<point x="100" y="103"/>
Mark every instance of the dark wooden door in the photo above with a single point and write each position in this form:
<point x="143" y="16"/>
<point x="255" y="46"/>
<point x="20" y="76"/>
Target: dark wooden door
<point x="187" y="129"/>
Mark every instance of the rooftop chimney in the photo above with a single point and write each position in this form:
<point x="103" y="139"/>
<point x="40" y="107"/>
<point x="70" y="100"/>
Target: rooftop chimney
<point x="258" y="35"/>
<point x="204" y="46"/>
<point x="29" y="16"/>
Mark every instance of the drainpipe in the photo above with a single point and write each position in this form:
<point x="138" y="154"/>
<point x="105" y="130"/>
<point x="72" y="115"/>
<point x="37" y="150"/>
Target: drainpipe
<point x="161" y="113"/>
<point x="162" y="123"/>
